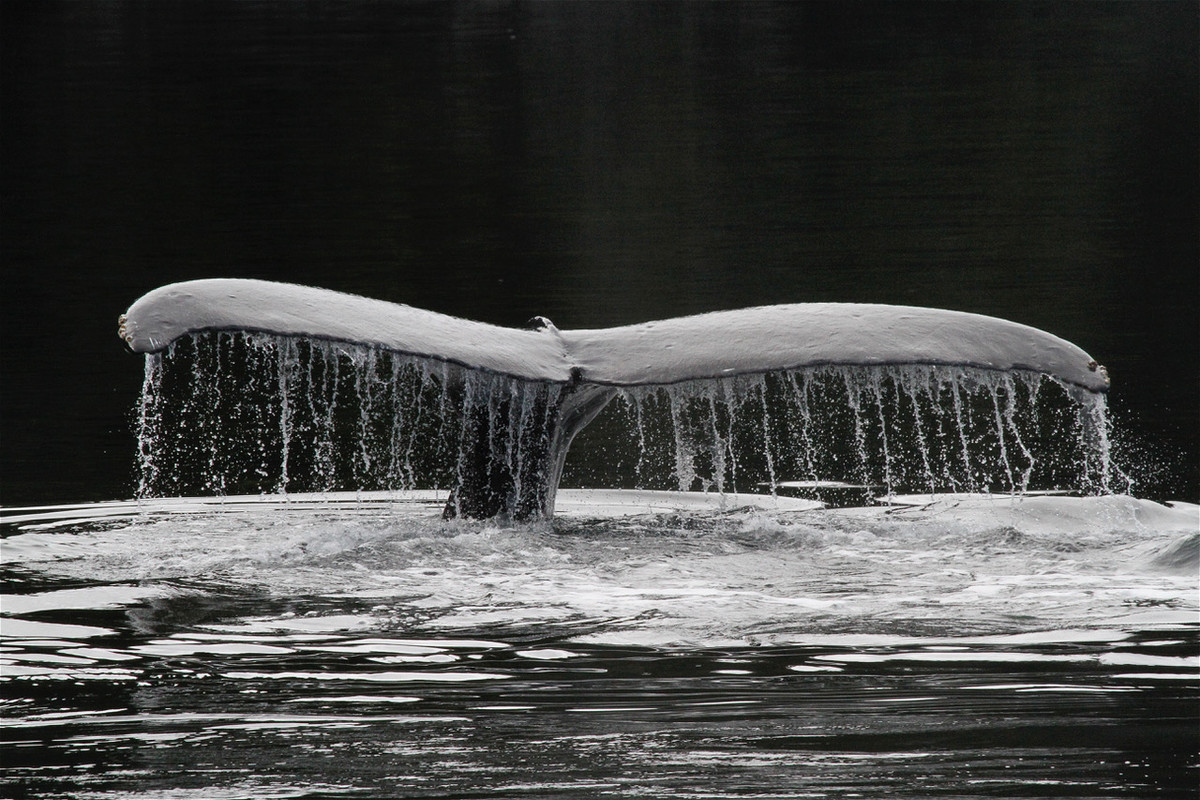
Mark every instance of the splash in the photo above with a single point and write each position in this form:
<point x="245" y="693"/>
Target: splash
<point x="226" y="413"/>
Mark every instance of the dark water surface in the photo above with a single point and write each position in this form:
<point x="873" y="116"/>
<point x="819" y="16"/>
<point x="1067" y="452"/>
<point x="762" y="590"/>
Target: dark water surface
<point x="598" y="163"/>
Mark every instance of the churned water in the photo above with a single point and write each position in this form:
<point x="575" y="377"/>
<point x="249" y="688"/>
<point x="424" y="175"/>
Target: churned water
<point x="642" y="644"/>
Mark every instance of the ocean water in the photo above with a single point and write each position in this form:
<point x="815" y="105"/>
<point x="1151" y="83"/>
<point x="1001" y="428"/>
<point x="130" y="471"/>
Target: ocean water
<point x="642" y="644"/>
<point x="601" y="164"/>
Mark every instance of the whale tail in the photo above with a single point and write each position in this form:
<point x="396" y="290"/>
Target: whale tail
<point x="554" y="382"/>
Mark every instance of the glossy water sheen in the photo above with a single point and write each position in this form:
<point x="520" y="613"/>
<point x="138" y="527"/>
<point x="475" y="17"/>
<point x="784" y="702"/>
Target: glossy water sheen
<point x="362" y="647"/>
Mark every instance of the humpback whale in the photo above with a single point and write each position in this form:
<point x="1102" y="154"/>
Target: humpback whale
<point x="585" y="369"/>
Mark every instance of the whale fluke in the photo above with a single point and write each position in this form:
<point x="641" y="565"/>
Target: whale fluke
<point x="284" y="309"/>
<point x="589" y="367"/>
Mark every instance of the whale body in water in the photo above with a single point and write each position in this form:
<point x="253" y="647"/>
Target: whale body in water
<point x="589" y="367"/>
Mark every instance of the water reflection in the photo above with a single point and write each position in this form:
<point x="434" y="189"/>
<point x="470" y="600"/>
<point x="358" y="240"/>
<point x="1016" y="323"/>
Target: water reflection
<point x="375" y="650"/>
<point x="631" y="720"/>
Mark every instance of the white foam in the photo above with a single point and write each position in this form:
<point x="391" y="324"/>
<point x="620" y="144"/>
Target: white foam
<point x="1004" y="571"/>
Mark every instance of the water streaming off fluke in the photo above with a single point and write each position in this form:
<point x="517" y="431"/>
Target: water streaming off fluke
<point x="245" y="413"/>
<point x="254" y="386"/>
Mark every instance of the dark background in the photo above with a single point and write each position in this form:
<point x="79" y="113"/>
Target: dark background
<point x="600" y="163"/>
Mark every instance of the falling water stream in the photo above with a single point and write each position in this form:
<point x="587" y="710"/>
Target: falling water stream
<point x="233" y="413"/>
